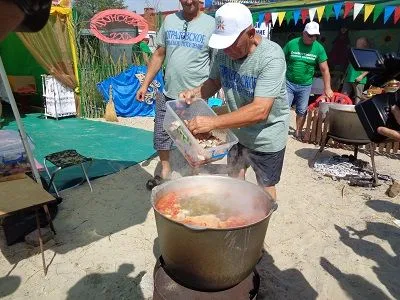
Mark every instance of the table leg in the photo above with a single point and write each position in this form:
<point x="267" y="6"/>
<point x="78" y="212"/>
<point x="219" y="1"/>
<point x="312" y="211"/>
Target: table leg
<point x="41" y="242"/>
<point x="48" y="217"/>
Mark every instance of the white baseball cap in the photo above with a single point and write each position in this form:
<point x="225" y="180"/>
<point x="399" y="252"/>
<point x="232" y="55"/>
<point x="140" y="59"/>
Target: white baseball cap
<point x="312" y="28"/>
<point x="230" y="20"/>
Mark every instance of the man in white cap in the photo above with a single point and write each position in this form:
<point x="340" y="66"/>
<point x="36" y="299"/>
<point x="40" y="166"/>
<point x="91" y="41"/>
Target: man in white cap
<point x="251" y="72"/>
<point x="303" y="54"/>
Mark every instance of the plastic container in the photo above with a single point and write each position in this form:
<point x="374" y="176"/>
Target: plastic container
<point x="188" y="145"/>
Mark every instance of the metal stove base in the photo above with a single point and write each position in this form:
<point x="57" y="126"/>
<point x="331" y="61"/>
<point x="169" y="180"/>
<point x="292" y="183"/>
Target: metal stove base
<point x="165" y="288"/>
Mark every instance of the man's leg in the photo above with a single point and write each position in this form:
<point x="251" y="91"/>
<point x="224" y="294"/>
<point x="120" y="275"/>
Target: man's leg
<point x="302" y="95"/>
<point x="236" y="162"/>
<point x="268" y="169"/>
<point x="358" y="91"/>
<point x="162" y="141"/>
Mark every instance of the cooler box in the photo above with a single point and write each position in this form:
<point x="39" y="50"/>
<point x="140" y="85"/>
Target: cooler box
<point x="188" y="145"/>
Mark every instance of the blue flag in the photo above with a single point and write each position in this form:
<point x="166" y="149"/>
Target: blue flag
<point x="124" y="89"/>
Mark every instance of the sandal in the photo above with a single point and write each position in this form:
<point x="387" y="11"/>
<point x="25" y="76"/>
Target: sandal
<point x="153" y="182"/>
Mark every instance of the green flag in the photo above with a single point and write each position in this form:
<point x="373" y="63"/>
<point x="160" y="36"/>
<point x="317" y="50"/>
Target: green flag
<point x="377" y="11"/>
<point x="328" y="11"/>
<point x="288" y="16"/>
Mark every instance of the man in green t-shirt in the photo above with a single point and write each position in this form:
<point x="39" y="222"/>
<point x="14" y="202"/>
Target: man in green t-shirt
<point x="303" y="54"/>
<point x="251" y="72"/>
<point x="355" y="81"/>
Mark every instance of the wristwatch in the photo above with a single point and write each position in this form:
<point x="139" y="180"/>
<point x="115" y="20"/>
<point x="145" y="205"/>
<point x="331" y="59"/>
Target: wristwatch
<point x="36" y="14"/>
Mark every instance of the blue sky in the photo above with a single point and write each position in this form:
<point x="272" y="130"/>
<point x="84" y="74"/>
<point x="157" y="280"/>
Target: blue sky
<point x="138" y="5"/>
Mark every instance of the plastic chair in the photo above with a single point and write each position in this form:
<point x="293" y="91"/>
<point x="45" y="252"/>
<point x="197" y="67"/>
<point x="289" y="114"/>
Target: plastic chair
<point x="65" y="159"/>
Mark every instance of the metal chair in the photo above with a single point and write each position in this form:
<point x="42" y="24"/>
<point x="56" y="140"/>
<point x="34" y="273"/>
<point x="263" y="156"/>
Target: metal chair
<point x="65" y="159"/>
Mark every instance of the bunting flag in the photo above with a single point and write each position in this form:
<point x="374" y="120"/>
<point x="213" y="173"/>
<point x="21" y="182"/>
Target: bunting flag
<point x="274" y="16"/>
<point x="289" y="16"/>
<point x="296" y="16"/>
<point x="367" y="11"/>
<point x="388" y="12"/>
<point x="312" y="12"/>
<point x="267" y="18"/>
<point x="348" y="6"/>
<point x="261" y="17"/>
<point x="328" y="11"/>
<point x="320" y="12"/>
<point x="396" y="14"/>
<point x="377" y="11"/>
<point x="304" y="15"/>
<point x="337" y="7"/>
<point x="281" y="17"/>
<point x="357" y="8"/>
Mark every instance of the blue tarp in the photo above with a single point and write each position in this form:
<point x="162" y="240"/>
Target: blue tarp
<point x="125" y="87"/>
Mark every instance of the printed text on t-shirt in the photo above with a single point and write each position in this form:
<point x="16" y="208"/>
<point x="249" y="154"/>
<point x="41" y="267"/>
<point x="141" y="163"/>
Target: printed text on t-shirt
<point x="243" y="84"/>
<point x="185" y="39"/>
<point x="308" y="56"/>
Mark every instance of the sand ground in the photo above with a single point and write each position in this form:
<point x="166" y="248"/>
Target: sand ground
<point x="327" y="240"/>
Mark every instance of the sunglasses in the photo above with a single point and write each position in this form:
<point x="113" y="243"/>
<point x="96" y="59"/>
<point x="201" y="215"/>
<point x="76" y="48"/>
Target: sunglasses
<point x="312" y="35"/>
<point x="185" y="28"/>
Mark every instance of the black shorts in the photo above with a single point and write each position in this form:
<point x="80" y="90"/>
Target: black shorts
<point x="266" y="165"/>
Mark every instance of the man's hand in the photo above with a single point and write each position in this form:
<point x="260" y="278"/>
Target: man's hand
<point x="201" y="124"/>
<point x="390" y="133"/>
<point x="189" y="96"/>
<point x="141" y="93"/>
<point x="328" y="93"/>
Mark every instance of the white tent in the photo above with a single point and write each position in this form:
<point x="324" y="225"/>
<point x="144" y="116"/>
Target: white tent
<point x="20" y="125"/>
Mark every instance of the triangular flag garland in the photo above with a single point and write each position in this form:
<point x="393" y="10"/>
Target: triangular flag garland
<point x="367" y="11"/>
<point x="337" y="7"/>
<point x="348" y="6"/>
<point x="312" y="12"/>
<point x="288" y="16"/>
<point x="274" y="16"/>
<point x="281" y="17"/>
<point x="377" y="11"/>
<point x="267" y="18"/>
<point x="304" y="15"/>
<point x="396" y="15"/>
<point x="388" y="12"/>
<point x="329" y="10"/>
<point x="296" y="16"/>
<point x="320" y="12"/>
<point x="357" y="8"/>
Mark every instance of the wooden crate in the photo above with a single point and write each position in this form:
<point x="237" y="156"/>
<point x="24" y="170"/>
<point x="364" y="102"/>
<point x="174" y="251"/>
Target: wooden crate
<point x="317" y="128"/>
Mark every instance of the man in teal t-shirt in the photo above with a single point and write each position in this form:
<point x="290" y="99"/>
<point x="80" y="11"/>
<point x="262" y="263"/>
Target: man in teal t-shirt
<point x="303" y="54"/>
<point x="251" y="72"/>
<point x="182" y="43"/>
<point x="355" y="81"/>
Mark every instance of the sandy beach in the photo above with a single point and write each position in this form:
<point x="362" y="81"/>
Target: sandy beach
<point x="327" y="240"/>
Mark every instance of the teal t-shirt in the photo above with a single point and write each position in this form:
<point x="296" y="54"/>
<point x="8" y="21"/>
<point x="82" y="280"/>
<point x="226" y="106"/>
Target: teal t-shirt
<point x="302" y="59"/>
<point x="260" y="74"/>
<point x="187" y="57"/>
<point x="352" y="74"/>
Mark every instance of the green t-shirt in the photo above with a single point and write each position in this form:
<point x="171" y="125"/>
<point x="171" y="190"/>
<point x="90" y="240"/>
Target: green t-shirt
<point x="187" y="53"/>
<point x="352" y="74"/>
<point x="261" y="74"/>
<point x="302" y="59"/>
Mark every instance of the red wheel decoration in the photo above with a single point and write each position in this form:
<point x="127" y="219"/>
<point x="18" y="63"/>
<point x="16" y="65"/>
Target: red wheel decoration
<point x="337" y="98"/>
<point x="104" y="24"/>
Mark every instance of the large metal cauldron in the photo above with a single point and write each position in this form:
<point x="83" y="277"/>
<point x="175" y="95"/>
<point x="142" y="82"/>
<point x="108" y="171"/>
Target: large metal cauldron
<point x="208" y="259"/>
<point x="345" y="124"/>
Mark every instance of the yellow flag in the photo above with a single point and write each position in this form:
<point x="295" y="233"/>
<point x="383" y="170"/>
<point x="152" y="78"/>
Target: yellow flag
<point x="320" y="12"/>
<point x="281" y="17"/>
<point x="369" y="8"/>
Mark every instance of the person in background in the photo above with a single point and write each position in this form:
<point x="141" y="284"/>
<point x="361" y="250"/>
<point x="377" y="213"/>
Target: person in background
<point x="340" y="48"/>
<point x="355" y="81"/>
<point x="251" y="71"/>
<point x="303" y="54"/>
<point x="390" y="133"/>
<point x="182" y="42"/>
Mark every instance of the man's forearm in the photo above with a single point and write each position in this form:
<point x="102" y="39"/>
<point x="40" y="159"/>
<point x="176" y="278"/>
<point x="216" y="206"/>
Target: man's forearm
<point x="326" y="77"/>
<point x="246" y="115"/>
<point x="152" y="68"/>
<point x="207" y="89"/>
